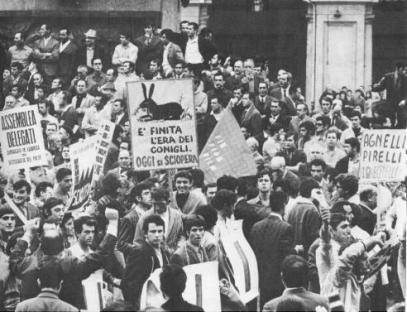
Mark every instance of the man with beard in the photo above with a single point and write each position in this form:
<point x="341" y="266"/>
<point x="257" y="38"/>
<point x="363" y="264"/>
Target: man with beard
<point x="67" y="55"/>
<point x="349" y="163"/>
<point x="45" y="116"/>
<point x="46" y="53"/>
<point x="191" y="251"/>
<point x="20" y="52"/>
<point x="141" y="197"/>
<point x="340" y="259"/>
<point x="185" y="200"/>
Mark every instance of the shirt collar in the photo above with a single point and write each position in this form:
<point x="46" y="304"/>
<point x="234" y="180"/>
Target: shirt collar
<point x="273" y="214"/>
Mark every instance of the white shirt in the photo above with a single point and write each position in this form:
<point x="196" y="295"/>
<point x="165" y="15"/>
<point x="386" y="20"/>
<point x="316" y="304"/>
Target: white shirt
<point x="90" y="52"/>
<point x="192" y="54"/>
<point x="166" y="218"/>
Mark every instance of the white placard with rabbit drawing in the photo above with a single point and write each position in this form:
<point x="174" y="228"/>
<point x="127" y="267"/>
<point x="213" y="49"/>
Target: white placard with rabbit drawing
<point x="162" y="121"/>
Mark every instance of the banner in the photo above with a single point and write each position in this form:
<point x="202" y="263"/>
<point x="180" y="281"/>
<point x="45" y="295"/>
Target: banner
<point x="162" y="121"/>
<point x="82" y="159"/>
<point x="21" y="138"/>
<point x="104" y="138"/>
<point x="202" y="287"/>
<point x="383" y="156"/>
<point x="226" y="152"/>
<point x="241" y="258"/>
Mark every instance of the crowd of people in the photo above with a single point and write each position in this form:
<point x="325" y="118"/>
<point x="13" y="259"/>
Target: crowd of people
<point x="309" y="221"/>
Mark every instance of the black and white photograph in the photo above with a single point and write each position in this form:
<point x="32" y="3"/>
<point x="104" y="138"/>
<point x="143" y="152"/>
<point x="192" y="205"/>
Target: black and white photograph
<point x="203" y="155"/>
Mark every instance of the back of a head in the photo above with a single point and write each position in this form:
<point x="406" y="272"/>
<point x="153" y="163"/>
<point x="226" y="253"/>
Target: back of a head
<point x="226" y="182"/>
<point x="223" y="198"/>
<point x="50" y="273"/>
<point x="209" y="214"/>
<point x="52" y="242"/>
<point x="173" y="280"/>
<point x="294" y="271"/>
<point x="278" y="200"/>
<point x="198" y="177"/>
<point x="306" y="187"/>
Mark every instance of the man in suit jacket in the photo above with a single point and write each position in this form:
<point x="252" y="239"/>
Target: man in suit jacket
<point x="263" y="100"/>
<point x="285" y="93"/>
<point x="82" y="100"/>
<point x="251" y="118"/>
<point x="294" y="273"/>
<point x="67" y="56"/>
<point x="272" y="240"/>
<point x="395" y="84"/>
<point x="278" y="115"/>
<point x="173" y="220"/>
<point x="147" y="257"/>
<point x="50" y="277"/>
<point x="172" y="53"/>
<point x="46" y="53"/>
<point x="149" y="48"/>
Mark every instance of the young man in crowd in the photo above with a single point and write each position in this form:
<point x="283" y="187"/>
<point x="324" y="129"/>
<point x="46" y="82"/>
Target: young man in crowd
<point x="185" y="200"/>
<point x="349" y="163"/>
<point x="21" y="198"/>
<point x="264" y="183"/>
<point x="63" y="187"/>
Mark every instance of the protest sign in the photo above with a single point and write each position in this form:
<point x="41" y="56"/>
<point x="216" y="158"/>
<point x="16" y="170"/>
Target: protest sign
<point x="201" y="289"/>
<point x="104" y="138"/>
<point x="242" y="259"/>
<point x="162" y="124"/>
<point x="83" y="156"/>
<point x="21" y="138"/>
<point x="96" y="292"/>
<point x="383" y="156"/>
<point x="226" y="151"/>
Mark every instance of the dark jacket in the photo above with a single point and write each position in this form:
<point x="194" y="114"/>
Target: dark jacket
<point x="250" y="214"/>
<point x="271" y="240"/>
<point x="252" y="121"/>
<point x="306" y="222"/>
<point x="342" y="165"/>
<point x="140" y="264"/>
<point x="223" y="95"/>
<point x="179" y="304"/>
<point x="367" y="220"/>
<point x="288" y="102"/>
<point x="395" y="92"/>
<point x="127" y="229"/>
<point x="67" y="62"/>
<point x="75" y="270"/>
<point x="100" y="52"/>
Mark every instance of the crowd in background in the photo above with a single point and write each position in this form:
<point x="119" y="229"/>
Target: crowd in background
<point x="306" y="216"/>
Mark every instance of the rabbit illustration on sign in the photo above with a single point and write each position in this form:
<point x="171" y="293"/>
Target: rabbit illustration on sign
<point x="168" y="111"/>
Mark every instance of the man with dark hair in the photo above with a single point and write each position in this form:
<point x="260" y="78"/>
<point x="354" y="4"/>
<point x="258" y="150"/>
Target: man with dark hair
<point x="349" y="163"/>
<point x="172" y="283"/>
<point x="227" y="182"/>
<point x="368" y="203"/>
<point x="172" y="53"/>
<point x="395" y="84"/>
<point x="302" y="115"/>
<point x="356" y="130"/>
<point x="304" y="216"/>
<point x="85" y="227"/>
<point x="171" y="217"/>
<point x="141" y="197"/>
<point x="142" y="261"/>
<point x="191" y="251"/>
<point x="294" y="158"/>
<point x="97" y="78"/>
<point x="272" y="240"/>
<point x="119" y="114"/>
<point x="209" y="191"/>
<point x="16" y="70"/>
<point x="50" y="277"/>
<point x="21" y="198"/>
<point x="46" y="53"/>
<point x="263" y="101"/>
<point x="321" y="126"/>
<point x="51" y="247"/>
<point x="125" y="51"/>
<point x="67" y="55"/>
<point x="150" y="47"/>
<point x="219" y="91"/>
<point x="264" y="183"/>
<point x="284" y="92"/>
<point x="63" y="187"/>
<point x="294" y="274"/>
<point x="210" y="121"/>
<point x="185" y="200"/>
<point x="278" y="116"/>
<point x="333" y="152"/>
<point x="53" y="209"/>
<point x="251" y="118"/>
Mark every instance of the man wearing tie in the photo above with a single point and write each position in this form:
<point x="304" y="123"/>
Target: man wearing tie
<point x="263" y="100"/>
<point x="282" y="93"/>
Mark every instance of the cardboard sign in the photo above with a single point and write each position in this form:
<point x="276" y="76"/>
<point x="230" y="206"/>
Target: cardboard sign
<point x="96" y="292"/>
<point x="162" y="121"/>
<point x="83" y="156"/>
<point x="379" y="258"/>
<point x="242" y="259"/>
<point x="104" y="138"/>
<point x="21" y="138"/>
<point x="202" y="287"/>
<point x="383" y="156"/>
